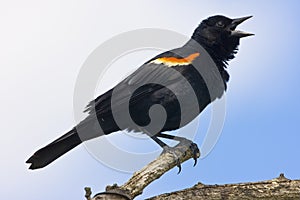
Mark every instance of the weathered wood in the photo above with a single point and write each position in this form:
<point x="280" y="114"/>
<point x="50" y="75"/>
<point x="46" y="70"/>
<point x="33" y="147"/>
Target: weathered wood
<point x="142" y="178"/>
<point x="279" y="188"/>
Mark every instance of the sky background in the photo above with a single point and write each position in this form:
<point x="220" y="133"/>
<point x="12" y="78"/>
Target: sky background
<point x="43" y="46"/>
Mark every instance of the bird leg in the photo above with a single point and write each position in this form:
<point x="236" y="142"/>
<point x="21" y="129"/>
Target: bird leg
<point x="168" y="149"/>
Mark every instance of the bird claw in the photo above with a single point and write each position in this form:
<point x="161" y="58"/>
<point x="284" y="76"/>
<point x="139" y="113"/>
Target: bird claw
<point x="171" y="150"/>
<point x="193" y="147"/>
<point x="178" y="164"/>
<point x="185" y="143"/>
<point x="196" y="152"/>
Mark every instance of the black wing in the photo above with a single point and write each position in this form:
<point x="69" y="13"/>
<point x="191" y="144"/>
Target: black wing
<point x="158" y="74"/>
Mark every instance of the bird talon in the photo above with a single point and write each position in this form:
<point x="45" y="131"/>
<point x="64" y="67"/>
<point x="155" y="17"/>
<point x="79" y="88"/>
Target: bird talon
<point x="179" y="166"/>
<point x="171" y="150"/>
<point x="195" y="162"/>
<point x="193" y="147"/>
<point x="196" y="152"/>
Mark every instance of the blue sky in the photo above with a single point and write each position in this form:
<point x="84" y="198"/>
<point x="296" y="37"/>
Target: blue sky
<point x="43" y="46"/>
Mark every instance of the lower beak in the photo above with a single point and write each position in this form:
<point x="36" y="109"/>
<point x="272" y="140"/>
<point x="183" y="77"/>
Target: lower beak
<point x="235" y="23"/>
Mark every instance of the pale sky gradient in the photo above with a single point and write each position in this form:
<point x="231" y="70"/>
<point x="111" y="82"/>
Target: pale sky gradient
<point x="44" y="44"/>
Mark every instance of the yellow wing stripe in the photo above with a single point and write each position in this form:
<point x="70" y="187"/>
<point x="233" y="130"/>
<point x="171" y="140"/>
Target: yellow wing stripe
<point x="172" y="61"/>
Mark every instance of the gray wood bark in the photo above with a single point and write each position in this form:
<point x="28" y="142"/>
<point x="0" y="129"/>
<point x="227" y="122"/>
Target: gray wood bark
<point x="142" y="178"/>
<point x="279" y="188"/>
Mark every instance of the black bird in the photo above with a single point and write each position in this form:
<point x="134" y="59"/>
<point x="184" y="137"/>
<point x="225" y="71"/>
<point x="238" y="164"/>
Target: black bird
<point x="194" y="75"/>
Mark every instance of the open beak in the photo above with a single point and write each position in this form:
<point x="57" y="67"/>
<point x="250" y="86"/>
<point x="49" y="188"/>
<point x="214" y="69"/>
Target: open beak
<point x="235" y="23"/>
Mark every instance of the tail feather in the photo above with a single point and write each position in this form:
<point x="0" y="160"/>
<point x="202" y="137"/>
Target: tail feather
<point x="54" y="150"/>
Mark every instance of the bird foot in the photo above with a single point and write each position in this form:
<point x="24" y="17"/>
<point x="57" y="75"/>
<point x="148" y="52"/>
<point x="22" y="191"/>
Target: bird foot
<point x="172" y="150"/>
<point x="181" y="148"/>
<point x="185" y="143"/>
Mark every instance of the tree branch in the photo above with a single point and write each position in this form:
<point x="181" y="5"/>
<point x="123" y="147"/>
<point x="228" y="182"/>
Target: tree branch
<point x="142" y="178"/>
<point x="279" y="188"/>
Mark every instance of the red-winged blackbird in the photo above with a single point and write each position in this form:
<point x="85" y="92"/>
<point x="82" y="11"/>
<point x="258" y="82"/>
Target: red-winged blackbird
<point x="201" y="63"/>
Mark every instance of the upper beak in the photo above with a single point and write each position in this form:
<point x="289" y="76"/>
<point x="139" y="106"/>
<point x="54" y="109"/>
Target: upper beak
<point x="235" y="23"/>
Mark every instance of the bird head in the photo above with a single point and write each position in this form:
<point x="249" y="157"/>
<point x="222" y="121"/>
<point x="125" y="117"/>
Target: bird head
<point x="218" y="35"/>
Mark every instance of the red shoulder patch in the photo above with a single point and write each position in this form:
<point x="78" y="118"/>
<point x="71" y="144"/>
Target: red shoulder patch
<point x="173" y="61"/>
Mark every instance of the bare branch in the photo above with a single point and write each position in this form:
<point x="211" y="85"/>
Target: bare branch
<point x="279" y="188"/>
<point x="142" y="178"/>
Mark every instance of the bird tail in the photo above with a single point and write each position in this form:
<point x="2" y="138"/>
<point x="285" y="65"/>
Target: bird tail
<point x="54" y="150"/>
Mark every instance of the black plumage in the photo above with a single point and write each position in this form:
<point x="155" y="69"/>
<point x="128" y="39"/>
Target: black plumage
<point x="194" y="74"/>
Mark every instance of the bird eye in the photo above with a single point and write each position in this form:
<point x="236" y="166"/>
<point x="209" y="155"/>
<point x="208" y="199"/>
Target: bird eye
<point x="220" y="24"/>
